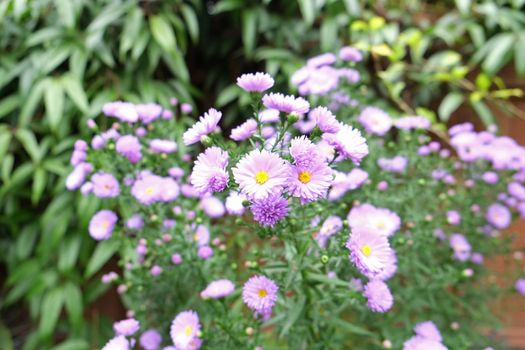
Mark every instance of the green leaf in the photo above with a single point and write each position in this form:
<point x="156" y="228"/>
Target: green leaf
<point x="28" y="140"/>
<point x="131" y="30"/>
<point x="51" y="306"/>
<point x="449" y="104"/>
<point x="349" y="327"/>
<point x="54" y="101"/>
<point x="39" y="183"/>
<point x="307" y="8"/>
<point x="519" y="53"/>
<point x="352" y="7"/>
<point x="101" y="255"/>
<point x="249" y="25"/>
<point x="463" y="6"/>
<point x="226" y="6"/>
<point x="328" y="33"/>
<point x="5" y="338"/>
<point x="26" y="241"/>
<point x="162" y="32"/>
<point x="72" y="344"/>
<point x="76" y="93"/>
<point x="66" y="12"/>
<point x="293" y="315"/>
<point x="499" y="54"/>
<point x="5" y="140"/>
<point x="227" y="95"/>
<point x="68" y="253"/>
<point x="9" y="104"/>
<point x="484" y="113"/>
<point x="31" y="102"/>
<point x="74" y="303"/>
<point x="191" y="21"/>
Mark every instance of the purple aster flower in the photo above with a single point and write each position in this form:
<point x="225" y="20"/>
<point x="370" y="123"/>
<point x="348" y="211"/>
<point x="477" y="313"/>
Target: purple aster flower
<point x="516" y="190"/>
<point x="150" y="340"/>
<point x="331" y="226"/>
<point x="421" y="343"/>
<point x="126" y="327"/>
<point x="109" y="277"/>
<point x="356" y="178"/>
<point x="156" y="270"/>
<point x="77" y="157"/>
<point x="268" y="211"/>
<point x="105" y="185"/>
<point x="202" y="235"/>
<point x="77" y="177"/>
<point x="349" y="143"/>
<point x="286" y="104"/>
<point x="185" y="329"/>
<point x="148" y="189"/>
<point x="304" y="152"/>
<point x="520" y="286"/>
<point x="234" y="203"/>
<point x="460" y="246"/>
<point x="412" y="122"/>
<point x="375" y="121"/>
<point x="186" y="108"/>
<point x="102" y="224"/>
<point x="176" y="259"/>
<point x="176" y="172"/>
<point x="390" y="270"/>
<point x="309" y="183"/>
<point x="370" y="252"/>
<point x="260" y="173"/>
<point x="117" y="343"/>
<point x="129" y="146"/>
<point x="324" y="119"/>
<point x="490" y="177"/>
<point x="382" y="221"/>
<point x="170" y="189"/>
<point x="453" y="217"/>
<point x="206" y="125"/>
<point x="460" y="128"/>
<point x="477" y="258"/>
<point x="356" y="284"/>
<point x="218" y="289"/>
<point x="429" y="330"/>
<point x="351" y="54"/>
<point x="209" y="172"/>
<point x="397" y="164"/>
<point x="212" y="206"/>
<point x="498" y="216"/>
<point x="98" y="142"/>
<point x="244" y="131"/>
<point x="257" y="82"/>
<point x="205" y="252"/>
<point x="379" y="297"/>
<point x="135" y="222"/>
<point x="162" y="146"/>
<point x="148" y="112"/>
<point x="269" y="116"/>
<point x="124" y="111"/>
<point x="324" y="59"/>
<point x="260" y="294"/>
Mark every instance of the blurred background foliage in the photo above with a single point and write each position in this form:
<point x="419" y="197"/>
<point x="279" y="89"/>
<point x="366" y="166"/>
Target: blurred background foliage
<point x="61" y="60"/>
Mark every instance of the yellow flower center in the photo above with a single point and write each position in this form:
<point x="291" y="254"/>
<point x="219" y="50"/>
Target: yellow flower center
<point x="188" y="330"/>
<point x="105" y="224"/>
<point x="380" y="225"/>
<point x="262" y="293"/>
<point x="305" y="177"/>
<point x="261" y="177"/>
<point x="366" y="250"/>
<point x="149" y="190"/>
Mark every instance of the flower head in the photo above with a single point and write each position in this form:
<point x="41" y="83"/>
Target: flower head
<point x="218" y="289"/>
<point x="379" y="297"/>
<point x="148" y="189"/>
<point x="348" y="142"/>
<point x="324" y="119"/>
<point x="429" y="330"/>
<point x="244" y="131"/>
<point x="498" y="216"/>
<point x="270" y="210"/>
<point x="185" y="329"/>
<point x="260" y="173"/>
<point x="206" y="125"/>
<point x="309" y="183"/>
<point x="520" y="285"/>
<point x="381" y="220"/>
<point x="117" y="343"/>
<point x="126" y="327"/>
<point x="369" y="251"/>
<point x="209" y="172"/>
<point x="105" y="185"/>
<point x="150" y="340"/>
<point x="129" y="147"/>
<point x="349" y="53"/>
<point x="162" y="146"/>
<point x="257" y="82"/>
<point x="460" y="246"/>
<point x="421" y="343"/>
<point x="102" y="224"/>
<point x="375" y="120"/>
<point x="234" y="203"/>
<point x="286" y="104"/>
<point x="260" y="294"/>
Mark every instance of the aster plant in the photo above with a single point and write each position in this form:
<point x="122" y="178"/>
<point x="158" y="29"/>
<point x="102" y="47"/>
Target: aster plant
<point x="322" y="221"/>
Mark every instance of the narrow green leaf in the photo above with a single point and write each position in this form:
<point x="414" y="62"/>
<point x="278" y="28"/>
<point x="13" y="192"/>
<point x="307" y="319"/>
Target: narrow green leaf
<point x="227" y="95"/>
<point x="26" y="241"/>
<point x="68" y="253"/>
<point x="519" y="53"/>
<point x="499" y="55"/>
<point x="9" y="104"/>
<point x="54" y="101"/>
<point x="51" y="306"/>
<point x="131" y="30"/>
<point x="66" y="12"/>
<point x="328" y="33"/>
<point x="352" y="7"/>
<point x="162" y="32"/>
<point x="74" y="303"/>
<point x="249" y="26"/>
<point x="463" y="6"/>
<point x="191" y="21"/>
<point x="39" y="183"/>
<point x="5" y="338"/>
<point x="31" y="102"/>
<point x="28" y="140"/>
<point x="101" y="255"/>
<point x="76" y="93"/>
<point x="449" y="104"/>
<point x="484" y="113"/>
<point x="293" y="315"/>
<point x="72" y="344"/>
<point x="307" y="8"/>
<point x="5" y="140"/>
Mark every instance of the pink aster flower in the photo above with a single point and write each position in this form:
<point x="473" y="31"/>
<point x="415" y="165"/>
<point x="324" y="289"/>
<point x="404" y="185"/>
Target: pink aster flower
<point x="126" y="327"/>
<point x="375" y="121"/>
<point x="206" y="125"/>
<point x="162" y="146"/>
<point x="209" y="172"/>
<point x="349" y="53"/>
<point x="148" y="112"/>
<point x="286" y="104"/>
<point x="397" y="164"/>
<point x="429" y="330"/>
<point x="379" y="297"/>
<point x="520" y="286"/>
<point x="421" y="343"/>
<point x="185" y="329"/>
<point x="348" y="142"/>
<point x="369" y="251"/>
<point x="212" y="206"/>
<point x="129" y="146"/>
<point x="412" y="122"/>
<point x="218" y="289"/>
<point x="150" y="340"/>
<point x="102" y="224"/>
<point x="380" y="220"/>
<point x="324" y="59"/>
<point x="260" y="294"/>
<point x="269" y="210"/>
<point x="309" y="183"/>
<point x="117" y="343"/>
<point x="453" y="217"/>
<point x="244" y="131"/>
<point x="124" y="111"/>
<point x="77" y="177"/>
<point x="304" y="152"/>
<point x="148" y="189"/>
<point x="324" y="119"/>
<point x="499" y="216"/>
<point x="234" y="203"/>
<point x="201" y="235"/>
<point x="105" y="185"/>
<point x="260" y="173"/>
<point x="460" y="246"/>
<point x="331" y="226"/>
<point x="257" y="82"/>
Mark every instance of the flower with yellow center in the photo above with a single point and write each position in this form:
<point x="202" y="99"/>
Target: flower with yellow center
<point x="305" y="177"/>
<point x="149" y="190"/>
<point x="261" y="177"/>
<point x="366" y="250"/>
<point x="188" y="330"/>
<point x="381" y="225"/>
<point x="262" y="293"/>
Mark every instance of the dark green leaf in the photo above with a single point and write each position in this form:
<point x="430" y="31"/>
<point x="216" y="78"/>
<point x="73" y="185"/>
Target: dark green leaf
<point x="39" y="183"/>
<point x="51" y="306"/>
<point x="101" y="255"/>
<point x="191" y="21"/>
<point x="162" y="32"/>
<point x="9" y="104"/>
<point x="307" y="8"/>
<point x="449" y="104"/>
<point x="54" y="101"/>
<point x="519" y="53"/>
<point x="484" y="113"/>
<point x="249" y="25"/>
<point x="76" y="93"/>
<point x="499" y="54"/>
<point x="74" y="303"/>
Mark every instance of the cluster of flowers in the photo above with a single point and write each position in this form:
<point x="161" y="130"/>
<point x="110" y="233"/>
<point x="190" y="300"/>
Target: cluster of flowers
<point x="283" y="169"/>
